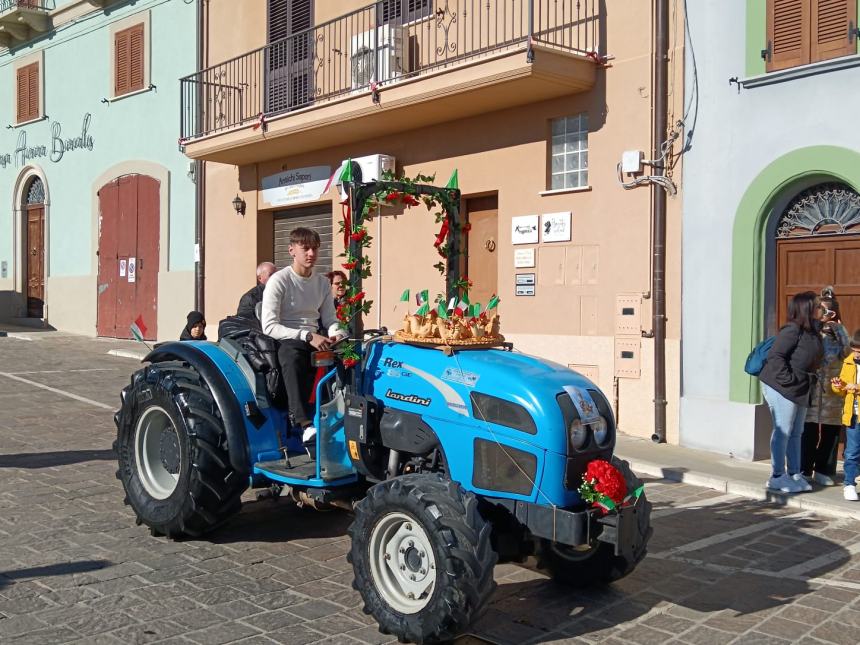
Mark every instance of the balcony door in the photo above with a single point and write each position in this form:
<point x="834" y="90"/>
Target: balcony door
<point x="289" y="57"/>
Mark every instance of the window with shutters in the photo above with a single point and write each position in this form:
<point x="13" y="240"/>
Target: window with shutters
<point x="28" y="84"/>
<point x="404" y="11"/>
<point x="290" y="55"/>
<point x="129" y="60"/>
<point x="807" y="31"/>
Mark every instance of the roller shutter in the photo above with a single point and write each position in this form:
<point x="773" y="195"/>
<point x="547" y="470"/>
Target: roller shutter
<point x="318" y="218"/>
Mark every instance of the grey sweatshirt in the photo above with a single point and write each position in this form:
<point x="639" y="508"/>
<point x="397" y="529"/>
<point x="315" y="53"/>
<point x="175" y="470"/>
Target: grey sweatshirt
<point x="293" y="305"/>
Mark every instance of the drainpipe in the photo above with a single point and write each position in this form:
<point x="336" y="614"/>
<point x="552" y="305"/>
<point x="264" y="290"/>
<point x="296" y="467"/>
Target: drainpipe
<point x="658" y="197"/>
<point x="200" y="177"/>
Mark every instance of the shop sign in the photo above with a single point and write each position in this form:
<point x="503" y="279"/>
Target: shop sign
<point x="296" y="186"/>
<point x="24" y="153"/>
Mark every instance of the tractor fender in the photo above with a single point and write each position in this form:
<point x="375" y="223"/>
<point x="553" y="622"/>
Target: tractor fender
<point x="406" y="432"/>
<point x="228" y="406"/>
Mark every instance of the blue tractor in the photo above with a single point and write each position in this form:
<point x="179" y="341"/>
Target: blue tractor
<point x="451" y="460"/>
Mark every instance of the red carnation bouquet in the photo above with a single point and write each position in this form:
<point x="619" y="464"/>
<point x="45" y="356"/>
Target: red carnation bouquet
<point x="603" y="486"/>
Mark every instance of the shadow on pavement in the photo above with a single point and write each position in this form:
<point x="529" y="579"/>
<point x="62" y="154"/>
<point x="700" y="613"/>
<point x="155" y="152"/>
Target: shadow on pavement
<point x="51" y="459"/>
<point x="60" y="569"/>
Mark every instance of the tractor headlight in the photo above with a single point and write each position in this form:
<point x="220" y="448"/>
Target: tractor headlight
<point x="600" y="428"/>
<point x="578" y="434"/>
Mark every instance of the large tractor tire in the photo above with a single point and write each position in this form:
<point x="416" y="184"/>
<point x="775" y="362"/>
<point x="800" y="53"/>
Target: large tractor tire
<point x="172" y="452"/>
<point x="422" y="558"/>
<point x="597" y="563"/>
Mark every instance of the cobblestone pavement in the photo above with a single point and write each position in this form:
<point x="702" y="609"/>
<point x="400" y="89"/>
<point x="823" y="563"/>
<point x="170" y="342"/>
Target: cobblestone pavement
<point x="75" y="568"/>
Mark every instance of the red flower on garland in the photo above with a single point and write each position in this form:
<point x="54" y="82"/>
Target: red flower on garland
<point x="466" y="228"/>
<point x="341" y="313"/>
<point x="409" y="200"/>
<point x="359" y="236"/>
<point x="392" y="197"/>
<point x="349" y="362"/>
<point x="357" y="297"/>
<point x="349" y="266"/>
<point x="603" y="481"/>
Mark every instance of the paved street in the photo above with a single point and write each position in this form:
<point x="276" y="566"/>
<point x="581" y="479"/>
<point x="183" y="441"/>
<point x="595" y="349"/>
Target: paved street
<point x="75" y="568"/>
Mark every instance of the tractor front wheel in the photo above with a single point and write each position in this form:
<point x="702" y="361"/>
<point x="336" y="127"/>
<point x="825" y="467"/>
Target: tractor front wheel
<point x="422" y="558"/>
<point x="172" y="452"/>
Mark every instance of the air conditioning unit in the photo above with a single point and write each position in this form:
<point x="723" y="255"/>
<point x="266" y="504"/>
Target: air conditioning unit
<point x="370" y="168"/>
<point x="377" y="56"/>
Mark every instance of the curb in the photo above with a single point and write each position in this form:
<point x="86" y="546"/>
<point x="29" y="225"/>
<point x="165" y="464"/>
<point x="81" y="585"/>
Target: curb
<point x="744" y="489"/>
<point x="127" y="353"/>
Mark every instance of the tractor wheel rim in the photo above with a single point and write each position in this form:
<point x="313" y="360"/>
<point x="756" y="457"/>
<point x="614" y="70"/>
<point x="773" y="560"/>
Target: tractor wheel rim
<point x="402" y="563"/>
<point x="156" y="451"/>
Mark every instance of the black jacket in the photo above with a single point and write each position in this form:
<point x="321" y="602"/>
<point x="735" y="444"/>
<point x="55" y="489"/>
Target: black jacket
<point x="792" y="362"/>
<point x="248" y="303"/>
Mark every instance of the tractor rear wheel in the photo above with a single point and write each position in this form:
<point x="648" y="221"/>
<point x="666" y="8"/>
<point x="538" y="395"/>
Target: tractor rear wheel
<point x="422" y="558"/>
<point x="172" y="452"/>
<point x="595" y="563"/>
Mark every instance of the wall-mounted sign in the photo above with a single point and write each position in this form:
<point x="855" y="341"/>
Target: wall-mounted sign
<point x="524" y="258"/>
<point x="24" y="152"/>
<point x="525" y="278"/>
<point x="295" y="186"/>
<point x="524" y="229"/>
<point x="525" y="290"/>
<point x="122" y="268"/>
<point x="555" y="227"/>
<point x="132" y="269"/>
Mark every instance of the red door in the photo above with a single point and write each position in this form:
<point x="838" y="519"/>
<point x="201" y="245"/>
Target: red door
<point x="128" y="256"/>
<point x="36" y="261"/>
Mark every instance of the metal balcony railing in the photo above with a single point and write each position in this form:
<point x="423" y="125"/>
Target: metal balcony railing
<point x="36" y="5"/>
<point x="375" y="45"/>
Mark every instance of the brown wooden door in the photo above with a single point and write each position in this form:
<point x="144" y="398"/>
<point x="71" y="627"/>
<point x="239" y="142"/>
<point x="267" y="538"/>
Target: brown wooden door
<point x="483" y="247"/>
<point x="128" y="256"/>
<point x="36" y="261"/>
<point x="806" y="264"/>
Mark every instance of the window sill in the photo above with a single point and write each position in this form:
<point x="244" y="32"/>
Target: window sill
<point x="113" y="99"/>
<point x="562" y="191"/>
<point x="30" y="122"/>
<point x="802" y="71"/>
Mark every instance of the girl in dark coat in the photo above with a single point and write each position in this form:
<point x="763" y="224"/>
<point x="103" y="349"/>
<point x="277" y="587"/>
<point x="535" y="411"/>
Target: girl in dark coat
<point x="196" y="327"/>
<point x="787" y="381"/>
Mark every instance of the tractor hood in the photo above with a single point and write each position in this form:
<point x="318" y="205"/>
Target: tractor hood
<point x="427" y="382"/>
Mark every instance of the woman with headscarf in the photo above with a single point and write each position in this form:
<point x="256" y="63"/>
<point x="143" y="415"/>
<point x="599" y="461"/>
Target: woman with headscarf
<point x="195" y="329"/>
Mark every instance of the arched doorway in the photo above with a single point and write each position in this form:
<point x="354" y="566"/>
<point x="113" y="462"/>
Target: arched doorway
<point x="128" y="257"/>
<point x="818" y="244"/>
<point x="34" y="214"/>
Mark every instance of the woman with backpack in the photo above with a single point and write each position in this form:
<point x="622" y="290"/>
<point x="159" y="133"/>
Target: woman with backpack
<point x="788" y="380"/>
<point x="824" y="418"/>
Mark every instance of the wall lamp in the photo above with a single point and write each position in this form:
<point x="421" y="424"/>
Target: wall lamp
<point x="239" y="205"/>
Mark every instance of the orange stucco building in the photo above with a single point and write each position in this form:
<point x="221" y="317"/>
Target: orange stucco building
<point x="533" y="102"/>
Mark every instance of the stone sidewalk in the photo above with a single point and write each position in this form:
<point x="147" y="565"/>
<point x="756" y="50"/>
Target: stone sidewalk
<point x="728" y="475"/>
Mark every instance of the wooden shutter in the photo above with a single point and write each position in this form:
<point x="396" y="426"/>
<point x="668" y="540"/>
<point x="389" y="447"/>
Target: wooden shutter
<point x="788" y="32"/>
<point x="129" y="60"/>
<point x="27" y="87"/>
<point x="833" y="22"/>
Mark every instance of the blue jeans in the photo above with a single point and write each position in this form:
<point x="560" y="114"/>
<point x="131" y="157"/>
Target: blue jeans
<point x="852" y="452"/>
<point x="788" y="419"/>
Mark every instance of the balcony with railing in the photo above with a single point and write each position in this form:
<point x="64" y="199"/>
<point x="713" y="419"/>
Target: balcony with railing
<point x="23" y="20"/>
<point x="376" y="70"/>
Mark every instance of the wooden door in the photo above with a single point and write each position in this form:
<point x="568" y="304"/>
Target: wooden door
<point x="36" y="261"/>
<point x="482" y="247"/>
<point x="128" y="256"/>
<point x="807" y="264"/>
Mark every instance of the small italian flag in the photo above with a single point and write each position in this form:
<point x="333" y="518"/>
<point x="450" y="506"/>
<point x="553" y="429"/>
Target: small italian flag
<point x="442" y="311"/>
<point x="424" y="309"/>
<point x="422" y="297"/>
<point x="462" y="307"/>
<point x="404" y="297"/>
<point x="494" y="302"/>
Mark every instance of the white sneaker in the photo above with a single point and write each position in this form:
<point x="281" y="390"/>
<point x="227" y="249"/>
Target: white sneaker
<point x="823" y="479"/>
<point x="800" y="482"/>
<point x="783" y="484"/>
<point x="850" y="493"/>
<point x="309" y="433"/>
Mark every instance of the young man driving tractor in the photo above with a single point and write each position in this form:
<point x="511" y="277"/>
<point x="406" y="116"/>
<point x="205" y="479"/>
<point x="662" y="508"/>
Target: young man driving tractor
<point x="294" y="302"/>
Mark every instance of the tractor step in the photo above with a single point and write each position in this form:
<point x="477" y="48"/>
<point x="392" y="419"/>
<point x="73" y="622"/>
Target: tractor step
<point x="301" y="466"/>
